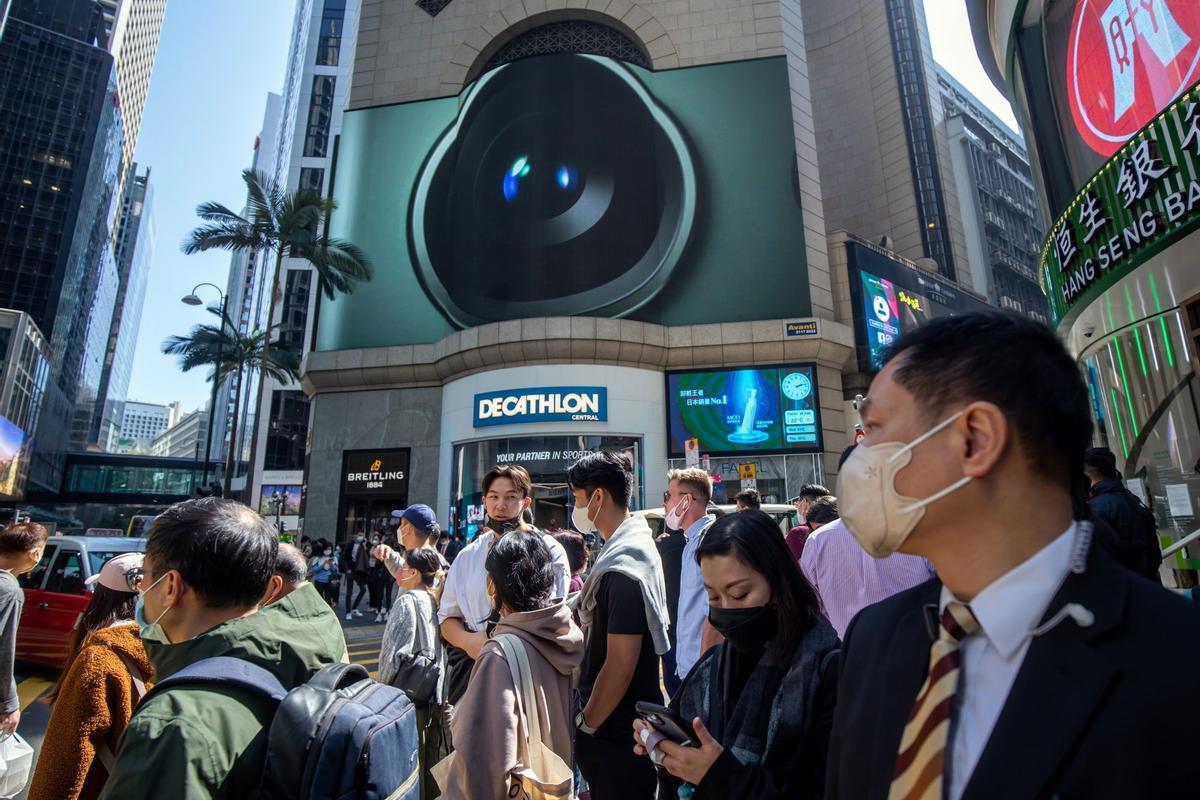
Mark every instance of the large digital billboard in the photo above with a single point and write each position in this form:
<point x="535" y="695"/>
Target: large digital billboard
<point x="570" y="184"/>
<point x="743" y="411"/>
<point x="13" y="461"/>
<point x="892" y="298"/>
<point x="1095" y="72"/>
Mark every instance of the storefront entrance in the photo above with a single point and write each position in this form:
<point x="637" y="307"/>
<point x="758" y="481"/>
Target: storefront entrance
<point x="374" y="483"/>
<point x="547" y="458"/>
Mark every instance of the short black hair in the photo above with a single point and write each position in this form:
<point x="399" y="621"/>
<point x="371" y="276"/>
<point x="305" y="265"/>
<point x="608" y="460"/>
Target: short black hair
<point x="1019" y="365"/>
<point x="290" y="564"/>
<point x="575" y="548"/>
<point x="1102" y="460"/>
<point x="749" y="498"/>
<point x="823" y="511"/>
<point x="21" y="537"/>
<point x="812" y="491"/>
<point x="608" y="470"/>
<point x="522" y="570"/>
<point x="753" y="538"/>
<point x="224" y="551"/>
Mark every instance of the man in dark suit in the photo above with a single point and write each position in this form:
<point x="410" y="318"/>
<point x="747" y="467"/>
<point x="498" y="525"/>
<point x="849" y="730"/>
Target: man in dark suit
<point x="1034" y="666"/>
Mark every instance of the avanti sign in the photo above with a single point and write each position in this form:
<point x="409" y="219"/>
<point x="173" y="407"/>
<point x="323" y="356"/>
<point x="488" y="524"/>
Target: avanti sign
<point x="543" y="404"/>
<point x="1141" y="200"/>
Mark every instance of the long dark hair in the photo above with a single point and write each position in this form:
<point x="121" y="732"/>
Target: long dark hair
<point x="106" y="607"/>
<point x="754" y="539"/>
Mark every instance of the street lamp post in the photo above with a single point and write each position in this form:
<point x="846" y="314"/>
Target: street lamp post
<point x="192" y="299"/>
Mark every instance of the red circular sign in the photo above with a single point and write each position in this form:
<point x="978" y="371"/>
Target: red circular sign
<point x="1126" y="61"/>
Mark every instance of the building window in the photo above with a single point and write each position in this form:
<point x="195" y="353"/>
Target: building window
<point x="312" y="179"/>
<point x="329" y="40"/>
<point x="572" y="36"/>
<point x="295" y="310"/>
<point x="320" y="113"/>
<point x="287" y="433"/>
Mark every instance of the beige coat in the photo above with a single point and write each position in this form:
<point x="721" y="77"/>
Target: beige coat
<point x="485" y="720"/>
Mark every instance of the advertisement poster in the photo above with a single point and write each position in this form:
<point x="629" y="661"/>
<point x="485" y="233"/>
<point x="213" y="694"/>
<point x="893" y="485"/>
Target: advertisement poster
<point x="882" y="314"/>
<point x="291" y="500"/>
<point x="12" y="450"/>
<point x="758" y="410"/>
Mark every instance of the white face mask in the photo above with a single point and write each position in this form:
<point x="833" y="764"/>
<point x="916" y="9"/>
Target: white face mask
<point x="880" y="517"/>
<point x="674" y="519"/>
<point x="580" y="519"/>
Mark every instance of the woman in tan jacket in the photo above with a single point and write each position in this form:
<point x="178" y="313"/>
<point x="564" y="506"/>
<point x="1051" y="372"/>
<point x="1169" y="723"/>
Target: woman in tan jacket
<point x="520" y="573"/>
<point x="100" y="685"/>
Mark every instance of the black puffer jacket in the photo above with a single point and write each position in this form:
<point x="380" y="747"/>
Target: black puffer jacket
<point x="1136" y="544"/>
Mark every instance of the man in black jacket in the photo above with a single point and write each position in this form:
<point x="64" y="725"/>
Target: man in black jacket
<point x="1033" y="666"/>
<point x="1137" y="546"/>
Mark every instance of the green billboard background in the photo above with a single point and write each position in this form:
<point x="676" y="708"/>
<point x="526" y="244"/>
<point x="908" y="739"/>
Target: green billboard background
<point x="744" y="257"/>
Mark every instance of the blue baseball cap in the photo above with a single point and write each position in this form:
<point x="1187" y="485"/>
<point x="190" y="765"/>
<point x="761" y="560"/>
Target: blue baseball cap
<point x="420" y="516"/>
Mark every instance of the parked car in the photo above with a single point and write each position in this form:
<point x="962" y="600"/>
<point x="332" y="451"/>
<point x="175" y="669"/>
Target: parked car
<point x="55" y="592"/>
<point x="784" y="514"/>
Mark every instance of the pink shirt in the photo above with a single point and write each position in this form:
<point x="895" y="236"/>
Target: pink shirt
<point x="848" y="579"/>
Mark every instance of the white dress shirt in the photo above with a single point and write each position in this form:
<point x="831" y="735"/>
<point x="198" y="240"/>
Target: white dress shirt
<point x="693" y="601"/>
<point x="466" y="596"/>
<point x="1007" y="610"/>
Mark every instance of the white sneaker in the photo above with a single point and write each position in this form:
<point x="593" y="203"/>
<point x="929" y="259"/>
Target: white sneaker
<point x="385" y="613"/>
<point x="378" y="618"/>
<point x="357" y="613"/>
<point x="349" y="617"/>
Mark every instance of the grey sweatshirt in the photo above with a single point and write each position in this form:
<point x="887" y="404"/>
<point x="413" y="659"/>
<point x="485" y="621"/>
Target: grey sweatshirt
<point x="12" y="601"/>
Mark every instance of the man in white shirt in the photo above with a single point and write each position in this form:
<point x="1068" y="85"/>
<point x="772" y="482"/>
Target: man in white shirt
<point x="465" y="607"/>
<point x="689" y="492"/>
<point x="1034" y="666"/>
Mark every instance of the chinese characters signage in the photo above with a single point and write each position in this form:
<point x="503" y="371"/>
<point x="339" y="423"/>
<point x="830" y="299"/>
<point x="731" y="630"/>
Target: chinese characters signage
<point x="1141" y="200"/>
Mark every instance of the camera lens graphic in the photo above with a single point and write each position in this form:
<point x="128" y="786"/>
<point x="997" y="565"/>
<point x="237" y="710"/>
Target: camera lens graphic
<point x="561" y="188"/>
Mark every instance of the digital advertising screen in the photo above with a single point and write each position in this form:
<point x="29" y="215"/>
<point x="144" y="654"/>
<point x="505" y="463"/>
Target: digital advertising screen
<point x="571" y="184"/>
<point x="744" y="411"/>
<point x="1098" y="71"/>
<point x="893" y="298"/>
<point x="12" y="460"/>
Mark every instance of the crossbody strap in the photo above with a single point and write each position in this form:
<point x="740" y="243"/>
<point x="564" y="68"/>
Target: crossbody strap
<point x="527" y="705"/>
<point x="104" y="752"/>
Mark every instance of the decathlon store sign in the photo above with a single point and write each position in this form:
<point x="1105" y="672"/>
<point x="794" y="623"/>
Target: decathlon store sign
<point x="543" y="404"/>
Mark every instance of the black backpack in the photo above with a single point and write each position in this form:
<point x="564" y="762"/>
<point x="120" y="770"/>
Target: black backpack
<point x="341" y="735"/>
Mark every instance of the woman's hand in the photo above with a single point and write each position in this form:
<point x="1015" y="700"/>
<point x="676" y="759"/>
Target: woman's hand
<point x="691" y="764"/>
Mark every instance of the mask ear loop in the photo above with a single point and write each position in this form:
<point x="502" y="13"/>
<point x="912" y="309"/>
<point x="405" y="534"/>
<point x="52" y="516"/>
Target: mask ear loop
<point x="925" y="436"/>
<point x="933" y="498"/>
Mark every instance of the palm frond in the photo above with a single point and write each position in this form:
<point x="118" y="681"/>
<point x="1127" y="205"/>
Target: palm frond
<point x="340" y="266"/>
<point x="261" y="199"/>
<point x="233" y="237"/>
<point x="217" y="212"/>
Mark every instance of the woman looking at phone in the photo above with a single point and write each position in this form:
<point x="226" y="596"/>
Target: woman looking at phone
<point x="759" y="706"/>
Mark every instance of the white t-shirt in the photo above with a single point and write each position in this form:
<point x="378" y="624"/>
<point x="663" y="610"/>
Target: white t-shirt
<point x="465" y="595"/>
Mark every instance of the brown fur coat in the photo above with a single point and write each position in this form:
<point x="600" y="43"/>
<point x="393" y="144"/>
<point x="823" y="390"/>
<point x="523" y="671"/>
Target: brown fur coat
<point x="94" y="706"/>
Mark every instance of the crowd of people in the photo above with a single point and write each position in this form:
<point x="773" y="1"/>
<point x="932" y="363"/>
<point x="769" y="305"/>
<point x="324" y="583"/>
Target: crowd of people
<point x="974" y="612"/>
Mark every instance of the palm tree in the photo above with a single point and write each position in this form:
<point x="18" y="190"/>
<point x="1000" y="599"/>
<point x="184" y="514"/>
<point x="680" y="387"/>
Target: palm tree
<point x="287" y="225"/>
<point x="240" y="354"/>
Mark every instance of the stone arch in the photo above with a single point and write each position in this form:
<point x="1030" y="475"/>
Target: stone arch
<point x="519" y="16"/>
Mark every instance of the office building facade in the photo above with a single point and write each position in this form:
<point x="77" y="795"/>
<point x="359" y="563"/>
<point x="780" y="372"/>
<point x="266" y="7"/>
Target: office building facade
<point x="997" y="202"/>
<point x="141" y="423"/>
<point x="184" y="439"/>
<point x="134" y="252"/>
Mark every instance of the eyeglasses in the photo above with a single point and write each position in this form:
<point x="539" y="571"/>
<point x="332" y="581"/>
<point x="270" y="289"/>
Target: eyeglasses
<point x="133" y="578"/>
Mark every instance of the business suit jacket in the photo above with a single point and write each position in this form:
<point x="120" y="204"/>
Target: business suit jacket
<point x="1094" y="712"/>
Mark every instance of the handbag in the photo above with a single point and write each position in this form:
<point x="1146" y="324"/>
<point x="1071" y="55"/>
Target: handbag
<point x="540" y="773"/>
<point x="16" y="762"/>
<point x="418" y="673"/>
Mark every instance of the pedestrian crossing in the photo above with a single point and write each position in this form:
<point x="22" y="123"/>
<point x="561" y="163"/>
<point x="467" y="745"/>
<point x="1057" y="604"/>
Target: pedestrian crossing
<point x="365" y="650"/>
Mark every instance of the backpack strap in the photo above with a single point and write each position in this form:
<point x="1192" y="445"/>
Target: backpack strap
<point x="222" y="671"/>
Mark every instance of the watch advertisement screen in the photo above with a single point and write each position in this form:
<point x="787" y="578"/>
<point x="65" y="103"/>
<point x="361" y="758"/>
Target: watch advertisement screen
<point x="752" y="410"/>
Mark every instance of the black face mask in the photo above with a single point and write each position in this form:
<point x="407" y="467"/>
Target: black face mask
<point x="746" y="629"/>
<point x="503" y="526"/>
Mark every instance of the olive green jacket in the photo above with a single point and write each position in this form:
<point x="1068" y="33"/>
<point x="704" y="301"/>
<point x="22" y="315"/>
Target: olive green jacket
<point x="193" y="742"/>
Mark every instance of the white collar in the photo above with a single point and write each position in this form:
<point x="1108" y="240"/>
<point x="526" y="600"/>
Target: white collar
<point x="1009" y="608"/>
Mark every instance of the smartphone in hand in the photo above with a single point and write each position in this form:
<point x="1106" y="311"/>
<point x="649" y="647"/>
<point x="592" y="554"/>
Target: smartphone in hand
<point x="666" y="722"/>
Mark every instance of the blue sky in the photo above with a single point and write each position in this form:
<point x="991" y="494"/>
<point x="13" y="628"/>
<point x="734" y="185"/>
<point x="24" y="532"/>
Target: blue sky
<point x="216" y="62"/>
<point x="217" y="59"/>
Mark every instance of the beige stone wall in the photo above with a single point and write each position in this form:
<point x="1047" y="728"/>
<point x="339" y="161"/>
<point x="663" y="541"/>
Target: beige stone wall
<point x="404" y="54"/>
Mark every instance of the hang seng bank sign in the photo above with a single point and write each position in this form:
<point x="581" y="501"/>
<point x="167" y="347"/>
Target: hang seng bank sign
<point x="543" y="404"/>
<point x="1146" y="197"/>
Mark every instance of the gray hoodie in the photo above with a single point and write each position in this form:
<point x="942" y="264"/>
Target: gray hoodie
<point x="485" y="720"/>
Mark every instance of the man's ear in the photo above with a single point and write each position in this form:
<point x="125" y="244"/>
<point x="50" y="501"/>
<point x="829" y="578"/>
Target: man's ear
<point x="985" y="433"/>
<point x="274" y="588"/>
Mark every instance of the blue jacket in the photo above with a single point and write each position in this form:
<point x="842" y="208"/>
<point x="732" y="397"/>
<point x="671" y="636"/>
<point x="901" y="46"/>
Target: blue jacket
<point x="322" y="573"/>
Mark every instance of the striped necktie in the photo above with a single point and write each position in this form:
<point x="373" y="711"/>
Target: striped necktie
<point x="920" y="765"/>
